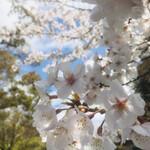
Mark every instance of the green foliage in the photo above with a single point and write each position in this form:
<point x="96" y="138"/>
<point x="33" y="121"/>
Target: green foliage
<point x="15" y="135"/>
<point x="16" y="108"/>
<point x="6" y="62"/>
<point x="30" y="78"/>
<point x="30" y="144"/>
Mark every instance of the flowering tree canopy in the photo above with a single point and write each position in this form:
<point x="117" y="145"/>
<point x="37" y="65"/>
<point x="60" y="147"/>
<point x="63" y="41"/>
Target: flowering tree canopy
<point x="99" y="107"/>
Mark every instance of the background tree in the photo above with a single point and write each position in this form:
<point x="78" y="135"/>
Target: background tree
<point x="16" y="107"/>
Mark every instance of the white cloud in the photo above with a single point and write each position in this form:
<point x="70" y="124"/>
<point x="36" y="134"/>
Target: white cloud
<point x="46" y="44"/>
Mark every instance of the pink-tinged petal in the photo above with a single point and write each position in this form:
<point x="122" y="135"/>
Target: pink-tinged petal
<point x="64" y="91"/>
<point x="78" y="86"/>
<point x="118" y="90"/>
<point x="79" y="71"/>
<point x="65" y="68"/>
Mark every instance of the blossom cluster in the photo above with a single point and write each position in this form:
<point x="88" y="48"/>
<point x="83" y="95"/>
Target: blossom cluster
<point x="75" y="25"/>
<point x="121" y="110"/>
<point x="89" y="90"/>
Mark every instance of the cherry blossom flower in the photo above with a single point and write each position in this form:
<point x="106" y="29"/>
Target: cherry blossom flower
<point x="59" y="138"/>
<point x="51" y="78"/>
<point x="44" y="117"/>
<point x="71" y="81"/>
<point x="81" y="127"/>
<point x="113" y="136"/>
<point x="122" y="110"/>
<point x="91" y="97"/>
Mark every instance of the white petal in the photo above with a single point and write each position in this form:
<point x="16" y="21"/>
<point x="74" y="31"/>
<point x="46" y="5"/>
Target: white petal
<point x="42" y="84"/>
<point x="139" y="130"/>
<point x="136" y="104"/>
<point x="104" y="99"/>
<point x="97" y="14"/>
<point x="142" y="129"/>
<point x="125" y="134"/>
<point x="79" y="71"/>
<point x="78" y="87"/>
<point x="108" y="144"/>
<point x="59" y="82"/>
<point x="65" y="68"/>
<point x="50" y="141"/>
<point x="52" y="70"/>
<point x="118" y="90"/>
<point x="140" y="141"/>
<point x="51" y="79"/>
<point x="64" y="91"/>
<point x="42" y="93"/>
<point x="44" y="116"/>
<point x="62" y="142"/>
<point x="111" y="118"/>
<point x="127" y="119"/>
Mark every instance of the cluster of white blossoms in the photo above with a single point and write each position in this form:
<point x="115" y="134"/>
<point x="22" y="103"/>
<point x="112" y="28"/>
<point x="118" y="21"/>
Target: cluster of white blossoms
<point x="63" y="23"/>
<point x="98" y="89"/>
<point x="76" y="129"/>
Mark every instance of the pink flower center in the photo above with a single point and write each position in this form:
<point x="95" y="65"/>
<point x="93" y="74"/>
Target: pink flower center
<point x="120" y="105"/>
<point x="70" y="79"/>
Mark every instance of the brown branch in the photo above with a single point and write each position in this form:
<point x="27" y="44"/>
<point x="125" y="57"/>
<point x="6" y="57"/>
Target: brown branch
<point x="145" y="58"/>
